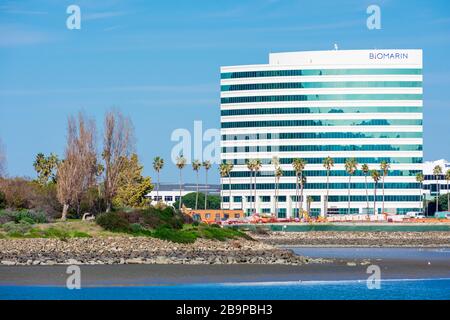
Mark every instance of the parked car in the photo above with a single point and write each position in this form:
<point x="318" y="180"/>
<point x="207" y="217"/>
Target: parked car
<point x="414" y="215"/>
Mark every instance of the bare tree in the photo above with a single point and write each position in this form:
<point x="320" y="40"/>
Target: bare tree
<point x="77" y="172"/>
<point x="118" y="144"/>
<point x="2" y="159"/>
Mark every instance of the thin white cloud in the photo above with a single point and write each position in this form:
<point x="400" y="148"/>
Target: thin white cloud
<point x="13" y="35"/>
<point x="102" y="15"/>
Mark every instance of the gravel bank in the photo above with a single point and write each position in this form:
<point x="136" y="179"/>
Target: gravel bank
<point x="140" y="250"/>
<point x="366" y="239"/>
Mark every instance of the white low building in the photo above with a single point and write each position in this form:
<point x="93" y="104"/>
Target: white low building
<point x="170" y="193"/>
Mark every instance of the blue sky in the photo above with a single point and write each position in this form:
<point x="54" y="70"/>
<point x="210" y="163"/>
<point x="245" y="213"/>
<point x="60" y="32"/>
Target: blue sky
<point x="158" y="62"/>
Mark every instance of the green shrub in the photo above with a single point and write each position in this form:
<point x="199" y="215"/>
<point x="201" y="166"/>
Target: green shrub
<point x="26" y="215"/>
<point x="148" y="219"/>
<point x="27" y="220"/>
<point x="17" y="229"/>
<point x="136" y="228"/>
<point x="114" y="221"/>
<point x="37" y="217"/>
<point x="179" y="236"/>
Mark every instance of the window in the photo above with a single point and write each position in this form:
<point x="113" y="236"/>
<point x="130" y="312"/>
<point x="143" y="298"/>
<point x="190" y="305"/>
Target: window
<point x="317" y="72"/>
<point x="319" y="160"/>
<point x="282" y="213"/>
<point x="168" y="198"/>
<point x="309" y="123"/>
<point x="328" y="84"/>
<point x="237" y="215"/>
<point x="321" y="97"/>
<point x="323" y="135"/>
<point x="309" y="148"/>
<point x="321" y="110"/>
<point x="320" y="185"/>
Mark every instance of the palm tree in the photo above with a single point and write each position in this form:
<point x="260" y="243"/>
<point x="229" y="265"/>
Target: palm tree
<point x="437" y="171"/>
<point x="447" y="177"/>
<point x="328" y="163"/>
<point x="309" y="200"/>
<point x="365" y="170"/>
<point x="350" y="166"/>
<point x="277" y="174"/>
<point x="302" y="184"/>
<point x="257" y="167"/>
<point x="207" y="166"/>
<point x="229" y="168"/>
<point x="181" y="163"/>
<point x="376" y="178"/>
<point x="158" y="164"/>
<point x="299" y="166"/>
<point x="384" y="166"/>
<point x="251" y="168"/>
<point x="196" y="165"/>
<point x="419" y="179"/>
<point x="223" y="171"/>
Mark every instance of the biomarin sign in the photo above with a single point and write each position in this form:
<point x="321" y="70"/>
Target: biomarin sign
<point x="388" y="56"/>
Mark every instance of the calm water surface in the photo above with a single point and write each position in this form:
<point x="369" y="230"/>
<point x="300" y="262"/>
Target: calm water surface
<point x="354" y="289"/>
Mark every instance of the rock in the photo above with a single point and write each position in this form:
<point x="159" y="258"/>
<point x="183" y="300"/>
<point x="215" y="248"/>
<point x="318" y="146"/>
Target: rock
<point x="134" y="261"/>
<point x="162" y="260"/>
<point x="72" y="261"/>
<point x="231" y="260"/>
<point x="8" y="263"/>
<point x="140" y="250"/>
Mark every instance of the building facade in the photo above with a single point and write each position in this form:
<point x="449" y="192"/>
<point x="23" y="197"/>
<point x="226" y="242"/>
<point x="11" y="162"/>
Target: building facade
<point x="361" y="104"/>
<point x="435" y="184"/>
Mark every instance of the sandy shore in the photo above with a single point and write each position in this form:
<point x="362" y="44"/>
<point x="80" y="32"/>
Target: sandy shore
<point x="432" y="239"/>
<point x="141" y="275"/>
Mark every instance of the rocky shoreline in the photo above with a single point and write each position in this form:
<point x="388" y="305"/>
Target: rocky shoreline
<point x="141" y="250"/>
<point x="356" y="239"/>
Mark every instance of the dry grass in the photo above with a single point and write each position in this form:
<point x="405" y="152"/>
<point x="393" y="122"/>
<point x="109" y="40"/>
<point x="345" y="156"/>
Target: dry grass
<point x="89" y="227"/>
